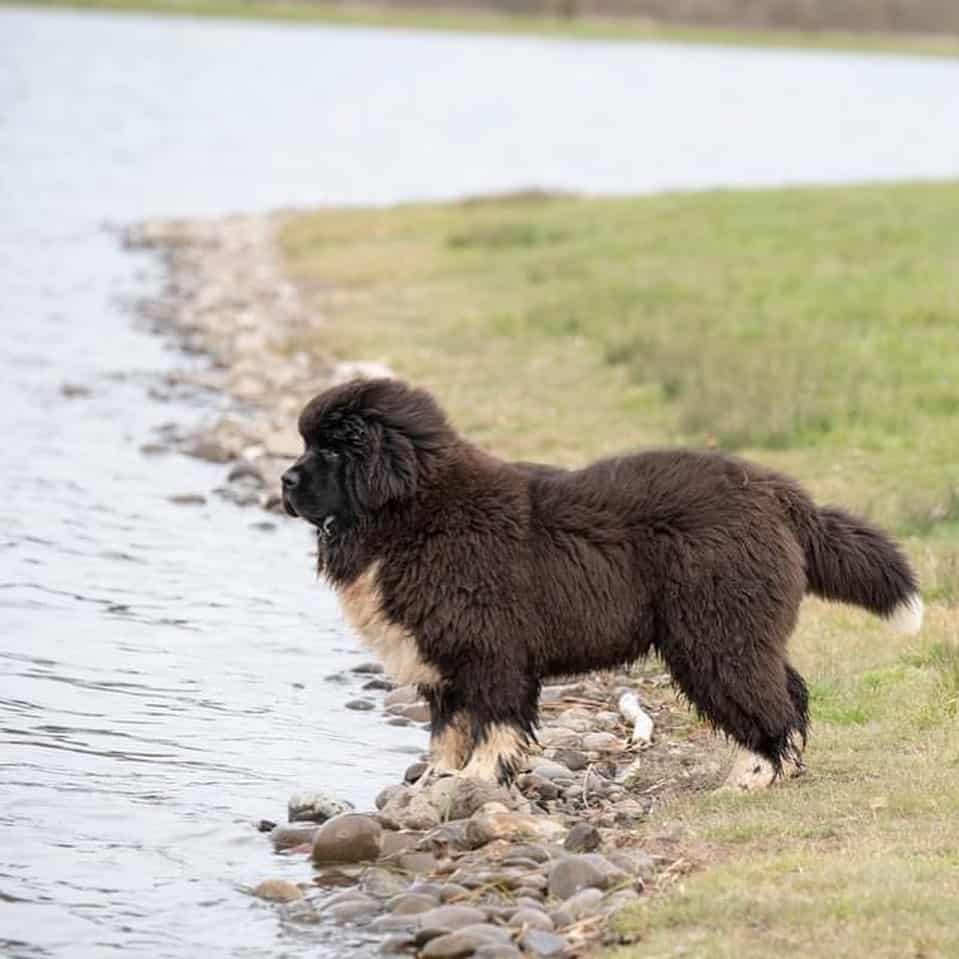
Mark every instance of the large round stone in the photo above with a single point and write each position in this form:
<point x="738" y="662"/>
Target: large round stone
<point x="350" y="837"/>
<point x="278" y="890"/>
<point x="570" y="875"/>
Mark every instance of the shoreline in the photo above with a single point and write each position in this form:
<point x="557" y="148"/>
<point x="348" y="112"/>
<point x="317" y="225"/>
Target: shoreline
<point x="226" y="297"/>
<point x="538" y="869"/>
<point x="478" y="21"/>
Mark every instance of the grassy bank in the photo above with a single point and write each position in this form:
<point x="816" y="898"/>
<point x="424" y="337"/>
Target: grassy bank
<point x="814" y="329"/>
<point x="583" y="28"/>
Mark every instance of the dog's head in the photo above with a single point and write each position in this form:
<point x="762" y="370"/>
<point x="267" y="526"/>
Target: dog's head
<point x="368" y="443"/>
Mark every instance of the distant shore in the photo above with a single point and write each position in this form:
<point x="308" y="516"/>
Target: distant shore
<point x="585" y="27"/>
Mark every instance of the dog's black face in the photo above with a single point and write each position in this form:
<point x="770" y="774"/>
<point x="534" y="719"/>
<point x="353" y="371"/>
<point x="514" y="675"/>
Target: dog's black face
<point x="313" y="487"/>
<point x="368" y="443"/>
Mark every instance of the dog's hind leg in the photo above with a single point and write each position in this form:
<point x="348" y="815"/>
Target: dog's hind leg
<point x="752" y="771"/>
<point x="753" y="696"/>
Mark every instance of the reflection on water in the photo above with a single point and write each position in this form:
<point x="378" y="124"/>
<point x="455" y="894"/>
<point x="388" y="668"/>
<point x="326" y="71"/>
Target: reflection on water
<point x="162" y="667"/>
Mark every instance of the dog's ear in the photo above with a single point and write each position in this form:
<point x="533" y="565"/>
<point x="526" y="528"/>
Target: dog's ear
<point x="388" y="469"/>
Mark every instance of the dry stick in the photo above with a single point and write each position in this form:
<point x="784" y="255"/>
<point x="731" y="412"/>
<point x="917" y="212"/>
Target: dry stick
<point x="656" y="785"/>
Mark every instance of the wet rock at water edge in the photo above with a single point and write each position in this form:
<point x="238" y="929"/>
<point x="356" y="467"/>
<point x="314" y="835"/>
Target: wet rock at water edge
<point x="315" y="806"/>
<point x="336" y="877"/>
<point x="73" y="391"/>
<point x="349" y="837"/>
<point x="371" y="669"/>
<point x="402" y="696"/>
<point x="154" y="449"/>
<point x="354" y="910"/>
<point x="278" y="890"/>
<point x="246" y="472"/>
<point x="415" y="712"/>
<point x="386" y="794"/>
<point x="380" y="685"/>
<point x="360" y="705"/>
<point x="416" y="862"/>
<point x="415" y="772"/>
<point x="294" y="834"/>
<point x="209" y="449"/>
<point x="188" y="499"/>
<point x="396" y="843"/>
<point x="397" y="943"/>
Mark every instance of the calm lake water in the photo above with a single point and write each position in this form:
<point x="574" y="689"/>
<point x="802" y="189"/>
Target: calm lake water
<point x="162" y="668"/>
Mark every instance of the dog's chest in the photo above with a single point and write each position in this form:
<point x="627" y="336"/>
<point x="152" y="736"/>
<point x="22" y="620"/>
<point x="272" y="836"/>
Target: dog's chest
<point x="394" y="646"/>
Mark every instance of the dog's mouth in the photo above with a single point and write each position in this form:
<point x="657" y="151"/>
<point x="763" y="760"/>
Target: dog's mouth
<point x="323" y="524"/>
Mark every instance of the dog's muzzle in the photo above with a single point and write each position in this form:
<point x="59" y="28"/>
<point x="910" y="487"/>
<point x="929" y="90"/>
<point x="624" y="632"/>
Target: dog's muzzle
<point x="289" y="481"/>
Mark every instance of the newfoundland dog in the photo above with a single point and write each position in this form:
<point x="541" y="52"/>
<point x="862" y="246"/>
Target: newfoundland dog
<point x="476" y="578"/>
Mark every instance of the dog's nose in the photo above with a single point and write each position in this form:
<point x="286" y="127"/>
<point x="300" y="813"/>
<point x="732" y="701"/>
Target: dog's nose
<point x="291" y="478"/>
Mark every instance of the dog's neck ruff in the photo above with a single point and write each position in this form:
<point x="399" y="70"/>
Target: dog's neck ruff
<point x="325" y="532"/>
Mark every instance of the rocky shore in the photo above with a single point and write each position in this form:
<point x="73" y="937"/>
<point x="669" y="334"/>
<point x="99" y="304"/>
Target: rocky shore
<point x="450" y="867"/>
<point x="456" y="867"/>
<point x="226" y="299"/>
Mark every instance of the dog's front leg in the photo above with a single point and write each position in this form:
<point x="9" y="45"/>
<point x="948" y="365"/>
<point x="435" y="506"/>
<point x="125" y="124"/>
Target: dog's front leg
<point x="450" y="742"/>
<point x="501" y="706"/>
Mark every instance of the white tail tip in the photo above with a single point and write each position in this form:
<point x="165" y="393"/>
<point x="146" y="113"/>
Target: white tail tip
<point x="906" y="618"/>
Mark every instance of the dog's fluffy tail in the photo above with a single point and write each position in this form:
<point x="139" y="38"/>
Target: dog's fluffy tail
<point x="850" y="561"/>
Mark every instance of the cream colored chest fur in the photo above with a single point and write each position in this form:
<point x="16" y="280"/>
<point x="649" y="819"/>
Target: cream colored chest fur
<point x="394" y="646"/>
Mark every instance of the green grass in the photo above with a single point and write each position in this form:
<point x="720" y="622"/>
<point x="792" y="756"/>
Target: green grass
<point x="818" y="327"/>
<point x="816" y="330"/>
<point x="584" y="28"/>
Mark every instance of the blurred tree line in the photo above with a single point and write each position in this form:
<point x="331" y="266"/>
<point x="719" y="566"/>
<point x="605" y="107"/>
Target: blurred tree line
<point x="897" y="16"/>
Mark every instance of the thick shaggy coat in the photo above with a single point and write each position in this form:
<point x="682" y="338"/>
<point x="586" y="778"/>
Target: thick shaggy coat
<point x="477" y="578"/>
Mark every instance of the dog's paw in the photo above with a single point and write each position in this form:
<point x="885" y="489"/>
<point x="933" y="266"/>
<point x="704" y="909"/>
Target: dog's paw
<point x="750" y="773"/>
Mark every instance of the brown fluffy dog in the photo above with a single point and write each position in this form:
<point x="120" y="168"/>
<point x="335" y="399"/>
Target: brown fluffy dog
<point x="476" y="578"/>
